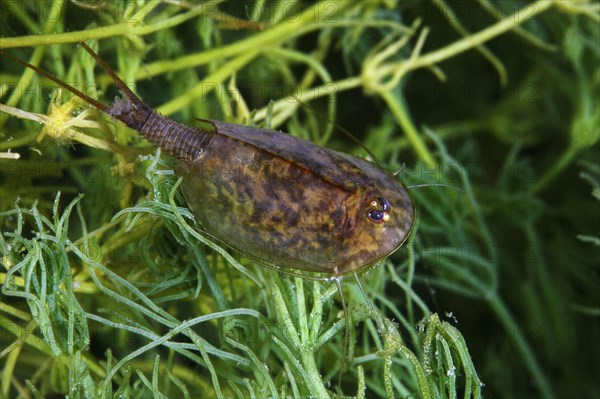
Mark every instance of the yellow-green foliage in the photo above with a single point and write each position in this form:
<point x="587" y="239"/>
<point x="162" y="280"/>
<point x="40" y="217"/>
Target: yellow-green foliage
<point x="110" y="288"/>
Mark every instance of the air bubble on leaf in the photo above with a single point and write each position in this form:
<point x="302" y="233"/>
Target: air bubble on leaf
<point x="451" y="372"/>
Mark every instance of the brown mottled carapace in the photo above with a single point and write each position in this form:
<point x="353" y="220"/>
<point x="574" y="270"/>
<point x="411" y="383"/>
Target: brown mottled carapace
<point x="287" y="202"/>
<point x="280" y="200"/>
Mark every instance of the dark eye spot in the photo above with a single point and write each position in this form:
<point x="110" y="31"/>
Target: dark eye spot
<point x="379" y="210"/>
<point x="376" y="216"/>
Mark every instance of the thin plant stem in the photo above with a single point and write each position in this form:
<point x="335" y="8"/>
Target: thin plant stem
<point x="399" y="111"/>
<point x="514" y="331"/>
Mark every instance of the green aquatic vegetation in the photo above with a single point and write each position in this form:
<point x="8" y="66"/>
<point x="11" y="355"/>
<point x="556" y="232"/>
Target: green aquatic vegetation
<point x="111" y="288"/>
<point x="299" y="323"/>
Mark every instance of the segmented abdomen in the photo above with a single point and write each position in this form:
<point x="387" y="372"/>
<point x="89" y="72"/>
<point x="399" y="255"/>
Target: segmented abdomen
<point x="176" y="139"/>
